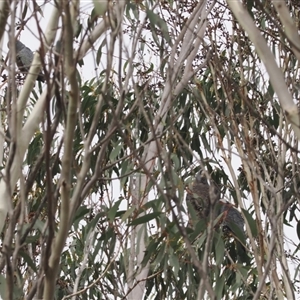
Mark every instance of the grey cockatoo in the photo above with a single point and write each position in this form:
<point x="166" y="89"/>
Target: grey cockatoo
<point x="203" y="197"/>
<point x="24" y="58"/>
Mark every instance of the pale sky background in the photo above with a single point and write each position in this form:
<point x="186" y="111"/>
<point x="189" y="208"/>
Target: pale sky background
<point x="30" y="38"/>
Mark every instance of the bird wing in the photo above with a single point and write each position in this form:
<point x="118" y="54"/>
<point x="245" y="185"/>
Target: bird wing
<point x="195" y="201"/>
<point x="24" y="59"/>
<point x="233" y="219"/>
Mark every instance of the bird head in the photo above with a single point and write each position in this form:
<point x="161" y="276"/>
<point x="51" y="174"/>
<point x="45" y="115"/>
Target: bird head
<point x="201" y="178"/>
<point x="19" y="46"/>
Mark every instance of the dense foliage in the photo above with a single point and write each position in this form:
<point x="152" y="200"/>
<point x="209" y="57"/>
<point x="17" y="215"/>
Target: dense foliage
<point x="96" y="206"/>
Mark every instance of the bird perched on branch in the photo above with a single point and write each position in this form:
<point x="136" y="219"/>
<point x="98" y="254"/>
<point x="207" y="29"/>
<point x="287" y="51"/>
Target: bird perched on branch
<point x="24" y="58"/>
<point x="202" y="195"/>
<point x="205" y="197"/>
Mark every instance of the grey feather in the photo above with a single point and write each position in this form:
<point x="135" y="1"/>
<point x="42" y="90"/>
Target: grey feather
<point x="24" y="58"/>
<point x="203" y="196"/>
<point x="233" y="219"/>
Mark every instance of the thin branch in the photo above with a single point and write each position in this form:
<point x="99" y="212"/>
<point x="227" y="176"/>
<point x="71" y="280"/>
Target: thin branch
<point x="267" y="57"/>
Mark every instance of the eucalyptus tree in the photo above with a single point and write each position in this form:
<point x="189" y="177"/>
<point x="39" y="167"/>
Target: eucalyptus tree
<point x="96" y="168"/>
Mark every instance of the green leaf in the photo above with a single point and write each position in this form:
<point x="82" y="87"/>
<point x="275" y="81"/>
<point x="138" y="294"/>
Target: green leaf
<point x="115" y="152"/>
<point x="2" y="286"/>
<point x="31" y="238"/>
<point x="219" y="287"/>
<point x="250" y="7"/>
<point x="161" y="254"/>
<point x="126" y="169"/>
<point x="237" y="283"/>
<point x="202" y="238"/>
<point x="131" y="7"/>
<point x="80" y="213"/>
<point x="128" y="213"/>
<point x="251" y="222"/>
<point x="175" y="263"/>
<point x="220" y="249"/>
<point x="98" y="57"/>
<point x="146" y="218"/>
<point x="34" y="148"/>
<point x="100" y="7"/>
<point x="157" y="21"/>
<point x="151" y="251"/>
<point x="113" y="211"/>
<point x="176" y="161"/>
<point x="96" y="249"/>
<point x="199" y="228"/>
<point x="28" y="260"/>
<point x="39" y="225"/>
